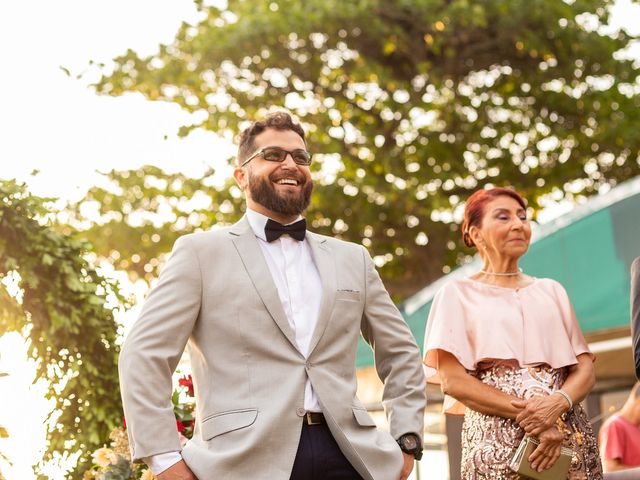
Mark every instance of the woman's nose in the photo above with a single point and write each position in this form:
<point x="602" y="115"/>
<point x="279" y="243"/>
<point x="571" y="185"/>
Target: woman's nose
<point x="518" y="222"/>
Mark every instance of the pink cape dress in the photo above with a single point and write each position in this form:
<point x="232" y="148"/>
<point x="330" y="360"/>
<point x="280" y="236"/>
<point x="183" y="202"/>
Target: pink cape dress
<point x="521" y="341"/>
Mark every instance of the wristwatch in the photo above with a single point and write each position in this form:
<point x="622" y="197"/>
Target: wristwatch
<point x="410" y="443"/>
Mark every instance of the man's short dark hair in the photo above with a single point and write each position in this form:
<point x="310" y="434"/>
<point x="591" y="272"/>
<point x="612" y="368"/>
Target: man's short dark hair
<point x="276" y="121"/>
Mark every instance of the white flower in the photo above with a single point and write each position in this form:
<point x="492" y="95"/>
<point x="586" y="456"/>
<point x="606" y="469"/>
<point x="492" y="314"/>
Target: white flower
<point x="147" y="475"/>
<point x="105" y="457"/>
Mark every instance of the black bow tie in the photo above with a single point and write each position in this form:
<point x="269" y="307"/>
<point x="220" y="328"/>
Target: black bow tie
<point x="273" y="230"/>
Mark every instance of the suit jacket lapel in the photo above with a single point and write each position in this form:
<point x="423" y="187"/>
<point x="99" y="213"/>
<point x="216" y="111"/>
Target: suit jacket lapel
<point x="252" y="257"/>
<point x="326" y="266"/>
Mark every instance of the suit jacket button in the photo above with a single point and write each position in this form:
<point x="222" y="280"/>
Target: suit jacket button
<point x="300" y="412"/>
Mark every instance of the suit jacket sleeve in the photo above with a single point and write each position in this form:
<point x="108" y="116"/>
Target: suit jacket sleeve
<point x="152" y="351"/>
<point x="635" y="312"/>
<point x="397" y="357"/>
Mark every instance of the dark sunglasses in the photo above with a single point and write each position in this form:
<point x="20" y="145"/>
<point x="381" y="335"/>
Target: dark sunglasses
<point x="277" y="154"/>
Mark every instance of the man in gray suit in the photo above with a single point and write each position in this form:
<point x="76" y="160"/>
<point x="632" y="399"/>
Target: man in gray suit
<point x="635" y="312"/>
<point x="271" y="315"/>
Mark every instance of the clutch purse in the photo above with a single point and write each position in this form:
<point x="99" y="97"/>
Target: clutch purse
<point x="520" y="462"/>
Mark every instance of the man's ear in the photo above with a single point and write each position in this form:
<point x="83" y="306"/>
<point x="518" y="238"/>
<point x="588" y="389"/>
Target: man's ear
<point x="240" y="174"/>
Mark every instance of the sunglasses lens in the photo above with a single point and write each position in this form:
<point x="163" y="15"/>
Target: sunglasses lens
<point x="277" y="154"/>
<point x="274" y="154"/>
<point x="301" y="157"/>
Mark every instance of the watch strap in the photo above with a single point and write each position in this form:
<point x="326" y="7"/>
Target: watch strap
<point x="417" y="451"/>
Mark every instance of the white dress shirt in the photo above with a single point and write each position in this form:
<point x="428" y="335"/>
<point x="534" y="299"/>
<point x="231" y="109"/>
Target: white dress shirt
<point x="297" y="280"/>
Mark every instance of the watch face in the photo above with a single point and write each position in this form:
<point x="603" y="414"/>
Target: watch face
<point x="409" y="442"/>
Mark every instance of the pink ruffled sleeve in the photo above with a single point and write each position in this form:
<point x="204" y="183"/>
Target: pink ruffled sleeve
<point x="446" y="331"/>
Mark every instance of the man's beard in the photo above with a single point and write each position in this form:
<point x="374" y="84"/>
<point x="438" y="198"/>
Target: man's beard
<point x="264" y="192"/>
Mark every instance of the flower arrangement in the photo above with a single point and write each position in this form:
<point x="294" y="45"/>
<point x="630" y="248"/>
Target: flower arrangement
<point x="114" y="462"/>
<point x="184" y="408"/>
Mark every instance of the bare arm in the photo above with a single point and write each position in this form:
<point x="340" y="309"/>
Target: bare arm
<point x="581" y="378"/>
<point x="456" y="382"/>
<point x="613" y="465"/>
<point x="541" y="413"/>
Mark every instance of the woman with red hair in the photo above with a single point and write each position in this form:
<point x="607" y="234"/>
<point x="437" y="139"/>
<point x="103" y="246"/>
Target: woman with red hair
<point x="507" y="351"/>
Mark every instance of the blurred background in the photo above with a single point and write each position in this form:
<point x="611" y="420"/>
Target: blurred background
<point x="117" y="124"/>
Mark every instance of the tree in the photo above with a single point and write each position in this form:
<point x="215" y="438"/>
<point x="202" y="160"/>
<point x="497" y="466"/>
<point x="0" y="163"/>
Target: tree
<point x="417" y="102"/>
<point x="3" y="434"/>
<point x="53" y="295"/>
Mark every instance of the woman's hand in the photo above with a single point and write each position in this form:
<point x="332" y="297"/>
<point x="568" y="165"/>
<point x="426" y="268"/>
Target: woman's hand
<point x="539" y="413"/>
<point x="548" y="452"/>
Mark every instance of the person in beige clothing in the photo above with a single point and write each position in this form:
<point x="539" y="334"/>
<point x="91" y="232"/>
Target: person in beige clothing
<point x="271" y="315"/>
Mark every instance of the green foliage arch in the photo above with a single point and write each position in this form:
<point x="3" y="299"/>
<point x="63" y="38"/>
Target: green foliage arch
<point x="53" y="295"/>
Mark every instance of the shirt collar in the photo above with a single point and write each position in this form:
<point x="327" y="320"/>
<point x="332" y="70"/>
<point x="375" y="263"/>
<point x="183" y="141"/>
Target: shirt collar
<point x="258" y="222"/>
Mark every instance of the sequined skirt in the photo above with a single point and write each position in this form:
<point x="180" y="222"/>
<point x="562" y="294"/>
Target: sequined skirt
<point x="489" y="442"/>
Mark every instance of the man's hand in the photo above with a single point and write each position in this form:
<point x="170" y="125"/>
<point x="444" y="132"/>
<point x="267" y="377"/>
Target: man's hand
<point x="177" y="471"/>
<point x="408" y="465"/>
<point x="539" y="413"/>
<point x="548" y="452"/>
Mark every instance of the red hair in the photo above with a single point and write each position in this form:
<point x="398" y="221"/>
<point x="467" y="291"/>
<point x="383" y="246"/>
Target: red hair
<point x="474" y="209"/>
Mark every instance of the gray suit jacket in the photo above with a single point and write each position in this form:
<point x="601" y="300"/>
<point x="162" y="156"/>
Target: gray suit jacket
<point x="635" y="312"/>
<point x="216" y="296"/>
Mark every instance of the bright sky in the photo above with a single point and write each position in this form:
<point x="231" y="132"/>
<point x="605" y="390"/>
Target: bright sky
<point x="57" y="125"/>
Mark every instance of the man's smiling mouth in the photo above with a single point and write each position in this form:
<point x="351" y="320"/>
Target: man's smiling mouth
<point x="287" y="181"/>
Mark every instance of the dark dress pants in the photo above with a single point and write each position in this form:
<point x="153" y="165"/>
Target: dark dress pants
<point x="320" y="458"/>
